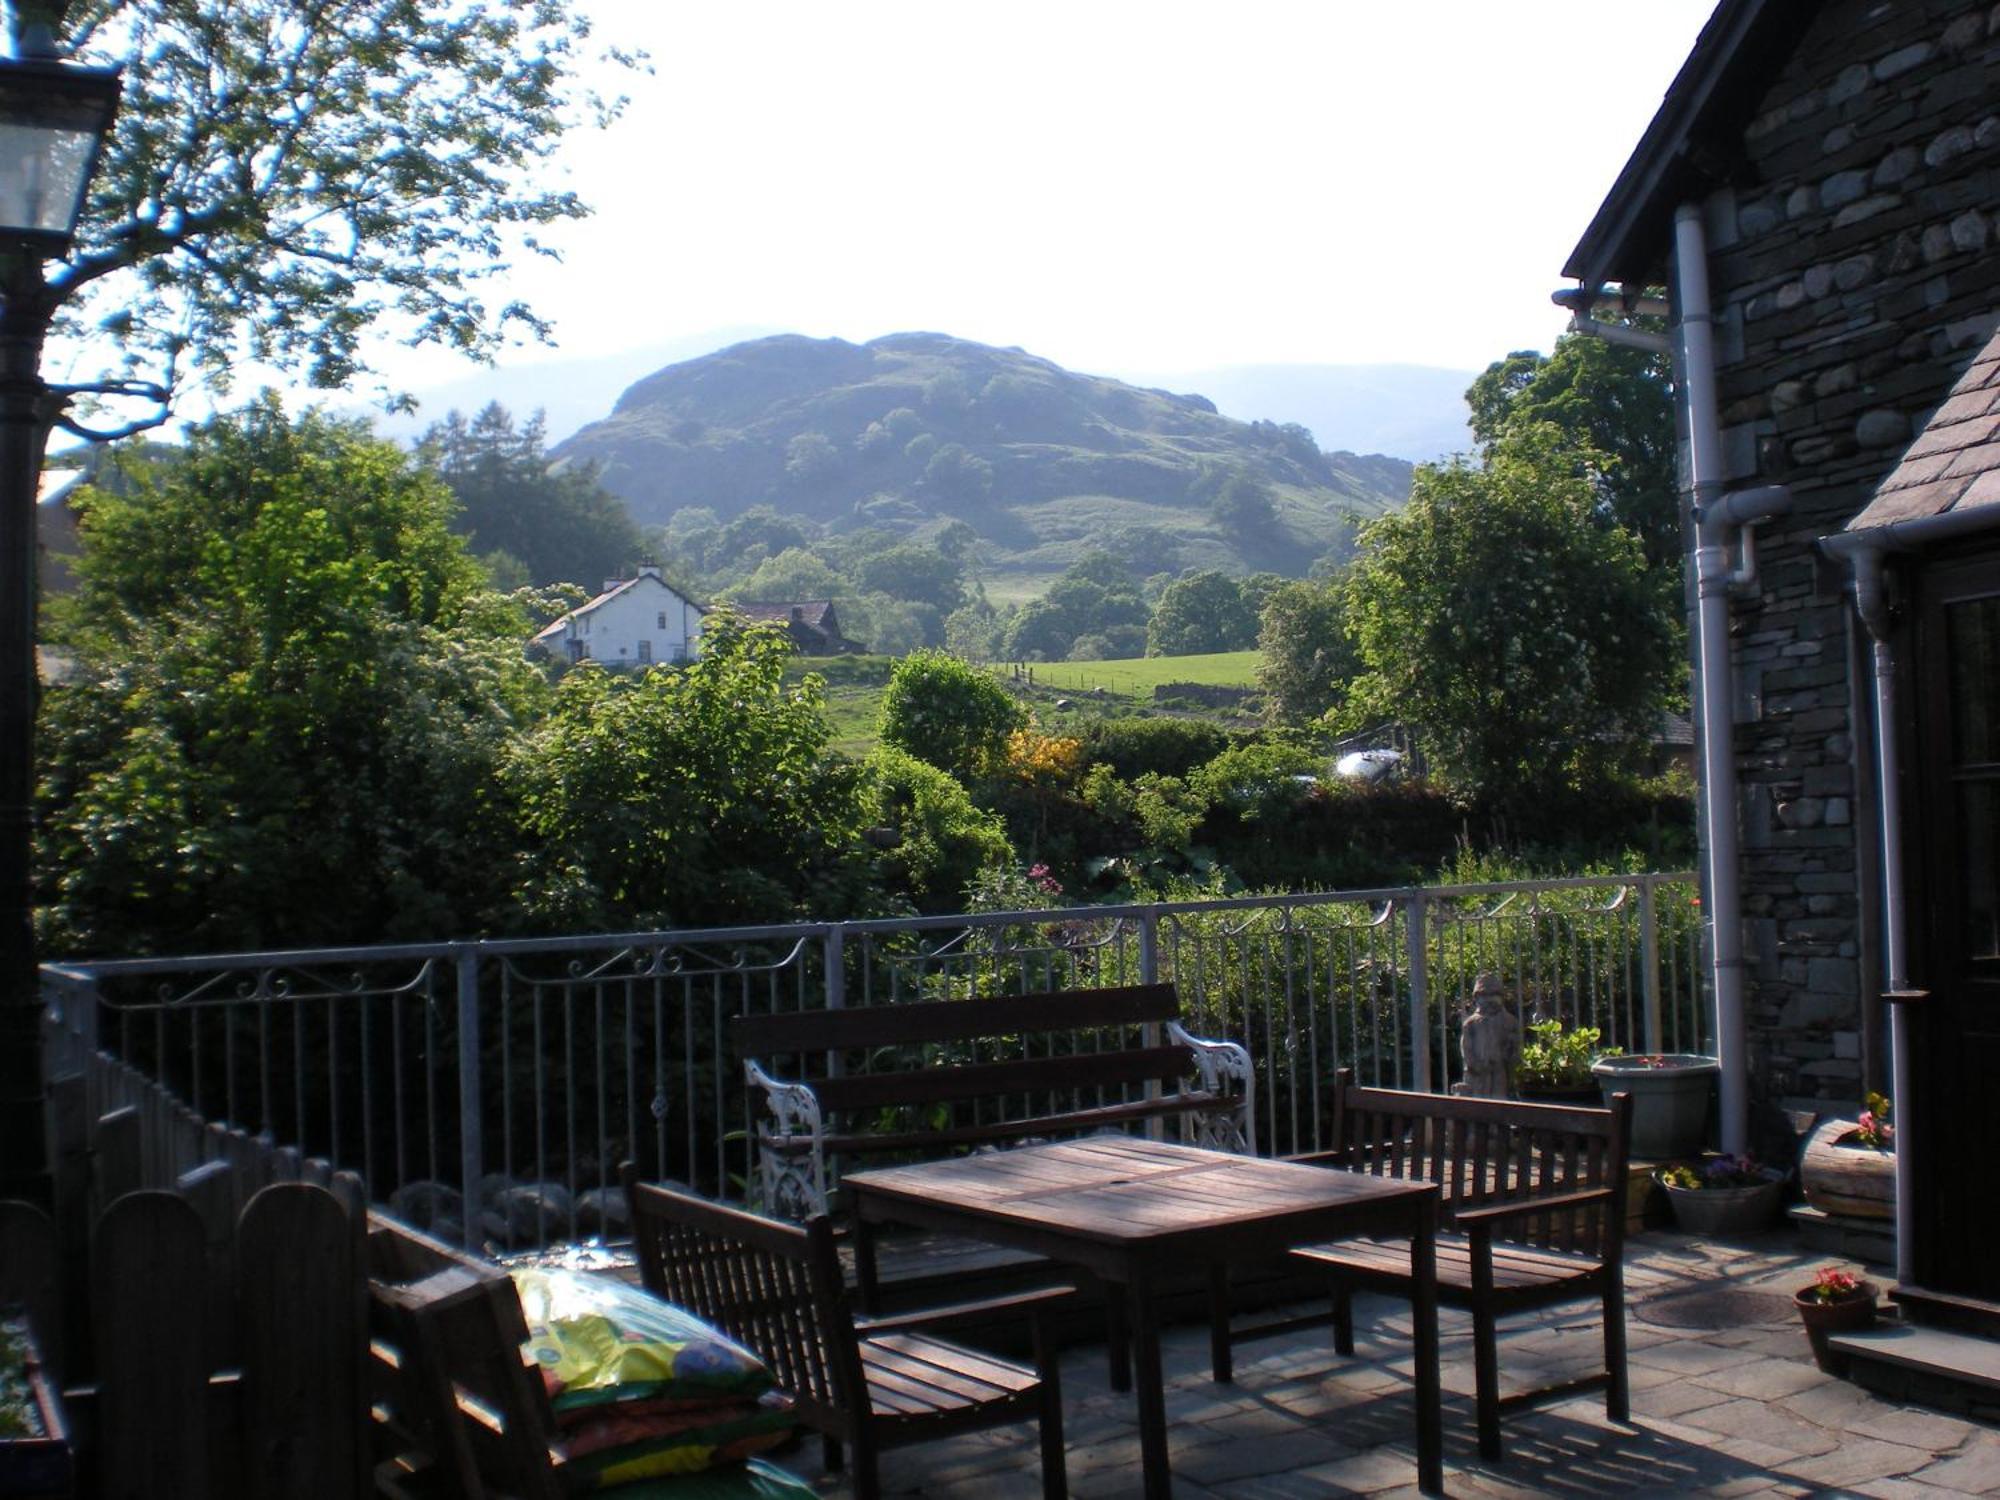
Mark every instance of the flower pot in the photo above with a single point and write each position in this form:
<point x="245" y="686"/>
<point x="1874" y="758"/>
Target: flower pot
<point x="1726" y="1210"/>
<point x="1670" y="1094"/>
<point x="1842" y="1315"/>
<point x="1842" y="1176"/>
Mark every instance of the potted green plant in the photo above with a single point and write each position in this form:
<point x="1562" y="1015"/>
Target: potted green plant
<point x="1723" y="1195"/>
<point x="1670" y="1096"/>
<point x="1555" y="1064"/>
<point x="1836" y="1302"/>
<point x="34" y="1443"/>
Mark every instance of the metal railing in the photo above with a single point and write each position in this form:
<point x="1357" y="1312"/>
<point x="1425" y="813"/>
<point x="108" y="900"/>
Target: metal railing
<point x="501" y="1082"/>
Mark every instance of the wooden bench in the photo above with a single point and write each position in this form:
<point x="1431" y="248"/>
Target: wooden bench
<point x="1533" y="1204"/>
<point x="458" y="1414"/>
<point x="778" y="1290"/>
<point x="927" y="1076"/>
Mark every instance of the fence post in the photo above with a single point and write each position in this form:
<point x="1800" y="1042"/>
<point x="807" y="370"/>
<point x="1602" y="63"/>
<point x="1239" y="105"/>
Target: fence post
<point x="1417" y="939"/>
<point x="1649" y="963"/>
<point x="471" y="1141"/>
<point x="1149" y="946"/>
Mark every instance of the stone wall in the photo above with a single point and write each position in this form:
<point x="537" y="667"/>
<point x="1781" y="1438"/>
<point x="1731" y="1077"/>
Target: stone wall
<point x="1855" y="272"/>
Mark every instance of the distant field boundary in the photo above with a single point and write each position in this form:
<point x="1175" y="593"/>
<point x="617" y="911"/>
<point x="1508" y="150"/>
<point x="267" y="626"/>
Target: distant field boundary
<point x="1140" y="677"/>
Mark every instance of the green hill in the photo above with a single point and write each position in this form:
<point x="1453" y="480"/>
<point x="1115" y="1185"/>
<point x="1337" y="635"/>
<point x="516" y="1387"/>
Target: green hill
<point x="918" y="429"/>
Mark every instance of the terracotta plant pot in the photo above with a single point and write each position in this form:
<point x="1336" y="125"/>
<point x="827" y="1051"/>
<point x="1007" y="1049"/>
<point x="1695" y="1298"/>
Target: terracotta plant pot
<point x="1842" y="1315"/>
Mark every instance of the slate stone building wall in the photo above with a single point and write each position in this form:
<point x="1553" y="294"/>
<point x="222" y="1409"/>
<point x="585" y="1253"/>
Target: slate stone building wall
<point x="1855" y="270"/>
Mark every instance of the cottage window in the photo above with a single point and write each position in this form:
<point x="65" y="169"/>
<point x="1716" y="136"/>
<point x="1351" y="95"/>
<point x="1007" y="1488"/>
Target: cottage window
<point x="663" y="619"/>
<point x="645" y="651"/>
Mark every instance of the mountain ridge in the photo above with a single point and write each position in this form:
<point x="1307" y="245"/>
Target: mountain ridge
<point x="918" y="429"/>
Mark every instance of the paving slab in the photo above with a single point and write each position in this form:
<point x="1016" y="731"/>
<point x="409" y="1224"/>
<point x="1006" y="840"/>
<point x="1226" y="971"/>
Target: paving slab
<point x="1734" y="1408"/>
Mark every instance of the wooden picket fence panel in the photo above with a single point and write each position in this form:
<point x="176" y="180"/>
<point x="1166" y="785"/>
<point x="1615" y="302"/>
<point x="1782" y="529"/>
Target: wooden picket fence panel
<point x="202" y="1298"/>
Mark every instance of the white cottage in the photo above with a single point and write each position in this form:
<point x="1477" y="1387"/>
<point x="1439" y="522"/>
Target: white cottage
<point x="634" y="622"/>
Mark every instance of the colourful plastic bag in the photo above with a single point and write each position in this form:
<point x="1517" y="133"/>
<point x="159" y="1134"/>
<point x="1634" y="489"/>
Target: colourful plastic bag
<point x="597" y="1340"/>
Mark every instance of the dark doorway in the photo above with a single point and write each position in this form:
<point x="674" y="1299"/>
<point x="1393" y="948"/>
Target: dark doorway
<point x="1954" y="923"/>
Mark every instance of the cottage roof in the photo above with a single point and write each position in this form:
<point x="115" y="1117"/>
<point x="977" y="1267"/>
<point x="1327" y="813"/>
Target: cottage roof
<point x="1954" y="465"/>
<point x="647" y="574"/>
<point x="813" y="612"/>
<point x="1693" y="144"/>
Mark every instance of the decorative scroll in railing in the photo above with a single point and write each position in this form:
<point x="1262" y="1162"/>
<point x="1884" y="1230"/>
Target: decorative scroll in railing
<point x="492" y="1088"/>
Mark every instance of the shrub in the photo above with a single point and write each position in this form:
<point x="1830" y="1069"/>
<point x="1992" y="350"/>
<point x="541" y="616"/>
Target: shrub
<point x="1165" y="747"/>
<point x="945" y="841"/>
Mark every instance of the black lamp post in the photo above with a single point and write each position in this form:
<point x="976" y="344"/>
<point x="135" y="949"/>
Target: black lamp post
<point x="54" y="117"/>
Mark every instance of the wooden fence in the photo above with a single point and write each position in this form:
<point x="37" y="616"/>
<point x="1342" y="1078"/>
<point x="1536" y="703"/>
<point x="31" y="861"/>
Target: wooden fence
<point x="201" y="1298"/>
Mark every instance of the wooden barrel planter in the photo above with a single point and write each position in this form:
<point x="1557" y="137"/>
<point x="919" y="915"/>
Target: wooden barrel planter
<point x="1840" y="1176"/>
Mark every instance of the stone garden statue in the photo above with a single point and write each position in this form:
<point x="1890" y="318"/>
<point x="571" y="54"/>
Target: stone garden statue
<point x="1490" y="1042"/>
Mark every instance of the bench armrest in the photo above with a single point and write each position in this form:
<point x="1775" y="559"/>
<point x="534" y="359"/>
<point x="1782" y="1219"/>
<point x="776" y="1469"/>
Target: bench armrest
<point x="1221" y="1065"/>
<point x="793" y="1186"/>
<point x="959" y="1313"/>
<point x="1488" y="1214"/>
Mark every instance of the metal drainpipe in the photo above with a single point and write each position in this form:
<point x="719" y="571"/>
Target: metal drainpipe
<point x="1874" y="611"/>
<point x="1717" y="516"/>
<point x="1718" y="711"/>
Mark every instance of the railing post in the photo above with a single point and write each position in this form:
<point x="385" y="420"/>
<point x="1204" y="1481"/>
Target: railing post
<point x="836" y="987"/>
<point x="1649" y="963"/>
<point x="1149" y="973"/>
<point x="1416" y="937"/>
<point x="471" y="1140"/>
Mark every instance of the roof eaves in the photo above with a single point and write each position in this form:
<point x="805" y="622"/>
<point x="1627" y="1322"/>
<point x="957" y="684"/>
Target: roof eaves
<point x="1690" y="146"/>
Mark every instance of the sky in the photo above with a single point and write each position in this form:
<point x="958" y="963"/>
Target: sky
<point x="1125" y="188"/>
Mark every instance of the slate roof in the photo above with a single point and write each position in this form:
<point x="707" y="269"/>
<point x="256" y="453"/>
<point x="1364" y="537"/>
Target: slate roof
<point x="1954" y="465"/>
<point x="811" y="612"/>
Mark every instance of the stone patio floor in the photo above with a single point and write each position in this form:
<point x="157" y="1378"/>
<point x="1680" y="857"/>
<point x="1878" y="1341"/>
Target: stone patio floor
<point x="1726" y="1400"/>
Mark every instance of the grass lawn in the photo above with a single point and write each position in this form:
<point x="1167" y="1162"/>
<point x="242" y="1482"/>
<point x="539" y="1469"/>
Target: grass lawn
<point x="1136" y="677"/>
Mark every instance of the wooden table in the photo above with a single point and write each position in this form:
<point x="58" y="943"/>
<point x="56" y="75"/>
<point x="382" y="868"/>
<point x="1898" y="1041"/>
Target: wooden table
<point x="1129" y="1210"/>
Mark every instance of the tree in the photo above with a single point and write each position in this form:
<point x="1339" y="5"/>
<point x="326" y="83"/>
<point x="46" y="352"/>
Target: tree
<point x="291" y="702"/>
<point x="690" y="796"/>
<point x="561" y="524"/>
<point x="811" y="459"/>
<point x="1497" y="616"/>
<point x="953" y="473"/>
<point x="1611" y="401"/>
<point x="1199" y="613"/>
<point x="1243" y="507"/>
<point x="1308" y="656"/>
<point x="915" y="574"/>
<point x="948" y="714"/>
<point x="793" y="574"/>
<point x="287" y="181"/>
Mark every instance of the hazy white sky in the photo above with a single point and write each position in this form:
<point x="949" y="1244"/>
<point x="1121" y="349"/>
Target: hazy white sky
<point x="1118" y="186"/>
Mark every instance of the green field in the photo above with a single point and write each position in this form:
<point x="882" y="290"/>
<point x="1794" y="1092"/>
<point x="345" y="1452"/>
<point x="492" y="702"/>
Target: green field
<point x="854" y="705"/>
<point x="1137" y="676"/>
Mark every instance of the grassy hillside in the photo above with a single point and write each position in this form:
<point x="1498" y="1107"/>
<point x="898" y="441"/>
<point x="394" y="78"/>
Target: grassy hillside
<point x="916" y="430"/>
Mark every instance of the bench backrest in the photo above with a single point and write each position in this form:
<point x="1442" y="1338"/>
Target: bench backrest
<point x="777" y="1289"/>
<point x="451" y="1393"/>
<point x="912" y="1072"/>
<point x="1481" y="1152"/>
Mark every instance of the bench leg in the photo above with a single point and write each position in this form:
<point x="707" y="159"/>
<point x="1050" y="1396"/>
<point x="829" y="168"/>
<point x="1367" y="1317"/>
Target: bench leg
<point x="1048" y="1365"/>
<point x="1618" y="1394"/>
<point x="1486" y="1377"/>
<point x="1343" y="1320"/>
<point x="867" y="1477"/>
